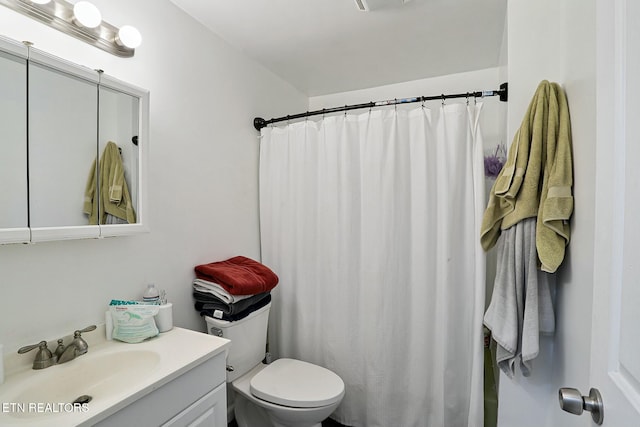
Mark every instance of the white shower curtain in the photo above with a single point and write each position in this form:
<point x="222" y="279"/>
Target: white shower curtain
<point x="372" y="222"/>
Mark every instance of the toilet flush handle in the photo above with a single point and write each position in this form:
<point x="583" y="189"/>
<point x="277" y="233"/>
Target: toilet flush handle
<point x="230" y="368"/>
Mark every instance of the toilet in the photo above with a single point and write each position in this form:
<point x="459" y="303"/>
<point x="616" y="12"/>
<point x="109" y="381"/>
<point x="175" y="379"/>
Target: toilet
<point x="284" y="393"/>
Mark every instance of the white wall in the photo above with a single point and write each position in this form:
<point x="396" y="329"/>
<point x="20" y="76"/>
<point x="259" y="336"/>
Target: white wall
<point x="555" y="40"/>
<point x="202" y="179"/>
<point x="571" y="365"/>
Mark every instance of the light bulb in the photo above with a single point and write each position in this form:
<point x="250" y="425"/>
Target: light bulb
<point x="128" y="36"/>
<point x="86" y="14"/>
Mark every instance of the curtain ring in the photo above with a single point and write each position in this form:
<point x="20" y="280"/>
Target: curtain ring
<point x="467" y="99"/>
<point x="442" y="99"/>
<point x="323" y="114"/>
<point x="422" y="98"/>
<point x="395" y="104"/>
<point x="345" y="110"/>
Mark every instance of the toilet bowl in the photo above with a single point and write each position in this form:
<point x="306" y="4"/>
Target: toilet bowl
<point x="288" y="392"/>
<point x="285" y="393"/>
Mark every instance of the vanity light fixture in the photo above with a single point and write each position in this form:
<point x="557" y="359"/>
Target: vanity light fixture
<point x="81" y="20"/>
<point x="128" y="36"/>
<point x="86" y="14"/>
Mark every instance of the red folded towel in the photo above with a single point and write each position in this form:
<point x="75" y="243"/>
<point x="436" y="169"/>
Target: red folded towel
<point x="239" y="275"/>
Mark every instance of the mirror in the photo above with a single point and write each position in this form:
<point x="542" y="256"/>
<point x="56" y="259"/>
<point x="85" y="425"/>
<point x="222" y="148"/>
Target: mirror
<point x="63" y="123"/>
<point x="119" y="131"/>
<point x="73" y="149"/>
<point x="123" y="123"/>
<point x="13" y="122"/>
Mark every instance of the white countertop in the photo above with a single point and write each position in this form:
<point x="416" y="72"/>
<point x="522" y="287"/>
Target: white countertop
<point x="173" y="353"/>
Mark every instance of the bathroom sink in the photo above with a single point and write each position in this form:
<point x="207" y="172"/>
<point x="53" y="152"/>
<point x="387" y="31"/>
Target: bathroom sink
<point x="99" y="377"/>
<point x="113" y="375"/>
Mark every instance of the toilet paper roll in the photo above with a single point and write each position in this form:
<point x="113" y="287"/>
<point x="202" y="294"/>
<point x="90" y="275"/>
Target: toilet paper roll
<point x="164" y="318"/>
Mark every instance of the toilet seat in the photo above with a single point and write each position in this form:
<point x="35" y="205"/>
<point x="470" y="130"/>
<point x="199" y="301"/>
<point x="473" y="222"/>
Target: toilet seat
<point x="297" y="384"/>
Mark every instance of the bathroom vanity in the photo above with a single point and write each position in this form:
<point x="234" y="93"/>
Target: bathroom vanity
<point x="175" y="379"/>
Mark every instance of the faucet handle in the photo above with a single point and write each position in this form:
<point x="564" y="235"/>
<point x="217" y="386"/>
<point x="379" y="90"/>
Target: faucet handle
<point x="81" y="345"/>
<point x="44" y="357"/>
<point x="87" y="329"/>
<point x="28" y="348"/>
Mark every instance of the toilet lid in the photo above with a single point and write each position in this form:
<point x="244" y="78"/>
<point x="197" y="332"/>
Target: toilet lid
<point x="297" y="384"/>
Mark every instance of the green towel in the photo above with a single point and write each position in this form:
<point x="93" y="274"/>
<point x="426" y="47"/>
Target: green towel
<point x="537" y="179"/>
<point x="114" y="192"/>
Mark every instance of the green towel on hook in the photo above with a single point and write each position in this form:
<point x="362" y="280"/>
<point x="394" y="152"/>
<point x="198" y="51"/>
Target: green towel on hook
<point x="537" y="179"/>
<point x="114" y="192"/>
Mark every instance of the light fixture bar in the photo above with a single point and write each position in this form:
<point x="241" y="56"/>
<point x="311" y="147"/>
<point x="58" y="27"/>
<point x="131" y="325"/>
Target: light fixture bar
<point x="58" y="14"/>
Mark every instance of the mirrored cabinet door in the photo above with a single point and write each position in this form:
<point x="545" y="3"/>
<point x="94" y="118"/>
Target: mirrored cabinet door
<point x="123" y="118"/>
<point x="63" y="123"/>
<point x="120" y="156"/>
<point x="13" y="160"/>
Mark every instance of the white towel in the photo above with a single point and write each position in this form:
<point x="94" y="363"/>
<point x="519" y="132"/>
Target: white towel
<point x="217" y="291"/>
<point x="521" y="306"/>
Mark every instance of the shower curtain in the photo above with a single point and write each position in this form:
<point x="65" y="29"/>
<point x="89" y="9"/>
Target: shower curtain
<point x="372" y="222"/>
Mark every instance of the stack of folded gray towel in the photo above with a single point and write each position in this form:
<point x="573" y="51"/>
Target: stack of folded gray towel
<point x="213" y="301"/>
<point x="232" y="289"/>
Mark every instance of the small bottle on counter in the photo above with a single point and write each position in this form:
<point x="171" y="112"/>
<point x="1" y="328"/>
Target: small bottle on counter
<point x="151" y="294"/>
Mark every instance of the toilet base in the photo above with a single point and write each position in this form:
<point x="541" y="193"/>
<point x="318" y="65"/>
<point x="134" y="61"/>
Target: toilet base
<point x="250" y="414"/>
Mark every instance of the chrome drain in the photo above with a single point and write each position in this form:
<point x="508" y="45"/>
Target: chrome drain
<point x="85" y="398"/>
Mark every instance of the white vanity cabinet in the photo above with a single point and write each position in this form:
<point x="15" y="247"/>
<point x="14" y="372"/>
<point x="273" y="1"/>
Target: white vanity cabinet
<point x="175" y="379"/>
<point x="196" y="398"/>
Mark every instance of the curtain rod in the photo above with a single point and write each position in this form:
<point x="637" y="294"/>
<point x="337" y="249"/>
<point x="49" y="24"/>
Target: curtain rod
<point x="503" y="93"/>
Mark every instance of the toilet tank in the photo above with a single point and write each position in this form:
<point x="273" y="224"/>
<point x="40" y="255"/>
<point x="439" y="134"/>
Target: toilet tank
<point x="248" y="340"/>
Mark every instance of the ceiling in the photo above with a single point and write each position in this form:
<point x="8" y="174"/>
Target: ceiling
<point x="329" y="46"/>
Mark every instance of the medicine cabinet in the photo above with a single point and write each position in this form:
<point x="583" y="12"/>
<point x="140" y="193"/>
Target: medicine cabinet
<point x="74" y="144"/>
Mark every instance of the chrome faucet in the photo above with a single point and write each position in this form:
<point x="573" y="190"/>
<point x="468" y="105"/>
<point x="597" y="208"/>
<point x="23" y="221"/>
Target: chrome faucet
<point x="45" y="358"/>
<point x="77" y="347"/>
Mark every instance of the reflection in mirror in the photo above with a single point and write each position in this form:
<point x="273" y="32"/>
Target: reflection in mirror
<point x="63" y="115"/>
<point x="119" y="159"/>
<point x="13" y="160"/>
